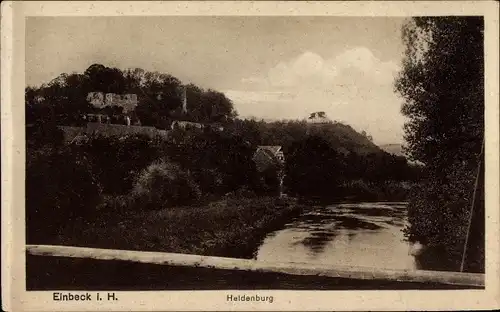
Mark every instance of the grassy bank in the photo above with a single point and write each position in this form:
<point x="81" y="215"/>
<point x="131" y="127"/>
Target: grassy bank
<point x="230" y="227"/>
<point x="378" y="191"/>
<point x="359" y="190"/>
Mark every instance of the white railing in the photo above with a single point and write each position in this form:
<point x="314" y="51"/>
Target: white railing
<point x="173" y="259"/>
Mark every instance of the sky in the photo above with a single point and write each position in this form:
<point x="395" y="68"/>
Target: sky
<point x="270" y="67"/>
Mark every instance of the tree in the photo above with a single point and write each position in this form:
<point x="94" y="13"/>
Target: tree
<point x="366" y="135"/>
<point x="105" y="79"/>
<point x="216" y="106"/>
<point x="34" y="110"/>
<point x="442" y="84"/>
<point x="61" y="189"/>
<point x="122" y="160"/>
<point x="229" y="155"/>
<point x="159" y="96"/>
<point x="313" y="167"/>
<point x="64" y="99"/>
<point x="317" y="115"/>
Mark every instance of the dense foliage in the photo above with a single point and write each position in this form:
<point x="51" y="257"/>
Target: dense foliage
<point x="442" y="83"/>
<point x="117" y="162"/>
<point x="341" y="137"/>
<point x="159" y="97"/>
<point x="314" y="168"/>
<point x="60" y="188"/>
<point x="165" y="184"/>
<point x="107" y="174"/>
<point x="324" y="160"/>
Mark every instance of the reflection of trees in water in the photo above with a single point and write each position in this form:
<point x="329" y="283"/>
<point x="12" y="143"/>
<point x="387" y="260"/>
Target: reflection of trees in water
<point x="399" y="223"/>
<point x="350" y="236"/>
<point x="314" y="221"/>
<point x="393" y="215"/>
<point x="321" y="221"/>
<point x="317" y="241"/>
<point x="438" y="259"/>
<point x="375" y="212"/>
<point x="353" y="223"/>
<point x="435" y="259"/>
<point x="324" y="225"/>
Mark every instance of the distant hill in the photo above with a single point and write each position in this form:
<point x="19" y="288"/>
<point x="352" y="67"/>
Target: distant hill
<point x="395" y="149"/>
<point x="345" y="139"/>
<point x="341" y="137"/>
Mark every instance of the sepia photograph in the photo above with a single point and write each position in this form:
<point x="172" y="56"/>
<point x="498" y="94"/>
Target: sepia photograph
<point x="256" y="153"/>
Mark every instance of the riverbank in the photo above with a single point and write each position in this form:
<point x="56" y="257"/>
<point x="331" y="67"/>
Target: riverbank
<point x="230" y="227"/>
<point x="360" y="190"/>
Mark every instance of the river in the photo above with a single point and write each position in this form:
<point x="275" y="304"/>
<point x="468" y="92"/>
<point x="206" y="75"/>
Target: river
<point x="354" y="234"/>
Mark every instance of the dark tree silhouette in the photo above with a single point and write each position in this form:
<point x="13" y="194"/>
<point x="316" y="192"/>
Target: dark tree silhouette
<point x="313" y="168"/>
<point x="442" y="83"/>
<point x="64" y="99"/>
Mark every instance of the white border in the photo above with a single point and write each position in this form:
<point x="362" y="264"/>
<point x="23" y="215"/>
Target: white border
<point x="6" y="51"/>
<point x="13" y="162"/>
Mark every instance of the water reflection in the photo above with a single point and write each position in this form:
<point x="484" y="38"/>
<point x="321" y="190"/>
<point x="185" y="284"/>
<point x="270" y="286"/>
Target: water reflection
<point x="317" y="241"/>
<point x="357" y="234"/>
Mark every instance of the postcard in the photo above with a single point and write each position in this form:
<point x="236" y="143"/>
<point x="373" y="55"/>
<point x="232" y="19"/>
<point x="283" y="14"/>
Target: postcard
<point x="250" y="156"/>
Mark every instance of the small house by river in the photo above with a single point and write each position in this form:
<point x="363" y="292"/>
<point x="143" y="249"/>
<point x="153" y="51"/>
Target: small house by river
<point x="267" y="156"/>
<point x="269" y="161"/>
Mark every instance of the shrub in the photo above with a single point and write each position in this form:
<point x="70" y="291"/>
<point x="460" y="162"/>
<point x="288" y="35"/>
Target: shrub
<point x="119" y="160"/>
<point x="241" y="193"/>
<point x="60" y="189"/>
<point x="245" y="192"/>
<point x="360" y="189"/>
<point x="44" y="133"/>
<point x="438" y="215"/>
<point x="114" y="205"/>
<point x="210" y="180"/>
<point x="164" y="184"/>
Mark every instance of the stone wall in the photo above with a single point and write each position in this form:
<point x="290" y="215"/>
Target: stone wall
<point x="93" y="128"/>
<point x="100" y="100"/>
<point x="119" y="130"/>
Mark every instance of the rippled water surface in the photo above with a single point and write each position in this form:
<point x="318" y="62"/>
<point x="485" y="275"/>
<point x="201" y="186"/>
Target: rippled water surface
<point x="357" y="234"/>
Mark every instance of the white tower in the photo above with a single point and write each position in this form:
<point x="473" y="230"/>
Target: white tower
<point x="184" y="100"/>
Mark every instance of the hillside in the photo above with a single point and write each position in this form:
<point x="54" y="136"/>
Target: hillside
<point x="395" y="149"/>
<point x="345" y="139"/>
<point x="143" y="98"/>
<point x="341" y="137"/>
<point x="161" y="98"/>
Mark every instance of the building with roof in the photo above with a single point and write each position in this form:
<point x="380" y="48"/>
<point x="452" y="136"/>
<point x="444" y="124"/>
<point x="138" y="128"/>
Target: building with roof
<point x="267" y="156"/>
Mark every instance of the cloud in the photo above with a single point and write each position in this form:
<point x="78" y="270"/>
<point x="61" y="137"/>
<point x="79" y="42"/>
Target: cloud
<point x="310" y="70"/>
<point x="364" y="61"/>
<point x="267" y="105"/>
<point x="354" y="86"/>
<point x="258" y="97"/>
